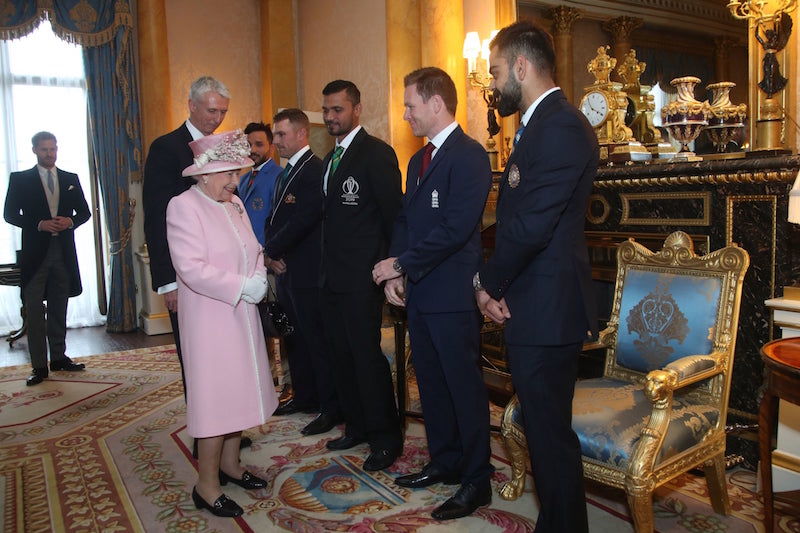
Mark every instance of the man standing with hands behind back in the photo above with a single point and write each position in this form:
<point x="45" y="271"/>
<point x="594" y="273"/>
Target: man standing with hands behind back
<point x="538" y="280"/>
<point x="48" y="204"/>
<point x="437" y="245"/>
<point x="361" y="182"/>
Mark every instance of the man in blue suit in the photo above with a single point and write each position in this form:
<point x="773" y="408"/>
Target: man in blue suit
<point x="436" y="244"/>
<point x="258" y="184"/>
<point x="538" y="280"/>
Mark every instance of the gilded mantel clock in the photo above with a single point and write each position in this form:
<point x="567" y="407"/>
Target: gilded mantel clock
<point x="605" y="109"/>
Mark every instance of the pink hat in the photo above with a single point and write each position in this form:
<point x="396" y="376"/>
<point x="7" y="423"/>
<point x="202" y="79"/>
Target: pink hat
<point x="218" y="153"/>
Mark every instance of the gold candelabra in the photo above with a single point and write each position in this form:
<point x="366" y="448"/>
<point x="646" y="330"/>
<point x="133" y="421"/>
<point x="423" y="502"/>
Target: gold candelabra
<point x="473" y="47"/>
<point x="754" y="9"/>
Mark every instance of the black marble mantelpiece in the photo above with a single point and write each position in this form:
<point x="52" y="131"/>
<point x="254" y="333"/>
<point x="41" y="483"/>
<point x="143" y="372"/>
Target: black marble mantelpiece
<point x="718" y="202"/>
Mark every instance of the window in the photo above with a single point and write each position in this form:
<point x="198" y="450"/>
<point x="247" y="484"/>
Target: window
<point x="42" y="87"/>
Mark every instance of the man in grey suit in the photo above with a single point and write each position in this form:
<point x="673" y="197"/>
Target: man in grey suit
<point x="48" y="204"/>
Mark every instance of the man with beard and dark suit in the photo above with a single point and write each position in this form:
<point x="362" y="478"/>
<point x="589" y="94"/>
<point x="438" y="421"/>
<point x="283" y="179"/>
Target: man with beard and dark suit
<point x="362" y="197"/>
<point x="538" y="280"/>
<point x="48" y="204"/>
<point x="293" y="253"/>
<point x="437" y="245"/>
<point x="167" y="157"/>
<point x="258" y="184"/>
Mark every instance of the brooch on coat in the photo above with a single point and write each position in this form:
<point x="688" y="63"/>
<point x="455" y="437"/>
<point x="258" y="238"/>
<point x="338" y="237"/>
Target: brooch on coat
<point x="290" y="199"/>
<point x="513" y="177"/>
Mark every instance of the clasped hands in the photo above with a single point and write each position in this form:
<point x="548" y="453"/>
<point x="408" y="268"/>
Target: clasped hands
<point x="394" y="290"/>
<point x="55" y="224"/>
<point x="496" y="310"/>
<point x="255" y="289"/>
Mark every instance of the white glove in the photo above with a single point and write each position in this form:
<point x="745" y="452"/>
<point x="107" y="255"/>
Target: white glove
<point x="254" y="289"/>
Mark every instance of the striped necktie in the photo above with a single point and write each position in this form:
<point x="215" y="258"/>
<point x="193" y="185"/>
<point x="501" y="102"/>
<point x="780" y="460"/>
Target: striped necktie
<point x="282" y="183"/>
<point x="335" y="158"/>
<point x="518" y="134"/>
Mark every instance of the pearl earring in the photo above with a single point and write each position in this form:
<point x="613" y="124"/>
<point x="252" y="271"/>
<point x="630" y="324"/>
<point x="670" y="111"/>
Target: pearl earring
<point x="205" y="180"/>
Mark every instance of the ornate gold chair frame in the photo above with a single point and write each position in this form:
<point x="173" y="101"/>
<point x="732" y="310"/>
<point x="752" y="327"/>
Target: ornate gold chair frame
<point x="682" y="403"/>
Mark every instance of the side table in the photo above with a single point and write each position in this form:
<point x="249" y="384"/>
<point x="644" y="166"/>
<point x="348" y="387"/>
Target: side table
<point x="782" y="367"/>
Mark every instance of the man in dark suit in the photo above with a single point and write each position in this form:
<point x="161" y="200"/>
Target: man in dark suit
<point x="48" y="204"/>
<point x="363" y="192"/>
<point x="166" y="159"/>
<point x="292" y="251"/>
<point x="437" y="245"/>
<point x="538" y="280"/>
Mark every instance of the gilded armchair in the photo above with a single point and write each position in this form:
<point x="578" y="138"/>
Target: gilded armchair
<point x="660" y="407"/>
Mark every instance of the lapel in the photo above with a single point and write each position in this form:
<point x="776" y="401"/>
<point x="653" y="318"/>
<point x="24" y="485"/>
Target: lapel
<point x="243" y="191"/>
<point x="441" y="155"/>
<point x="37" y="188"/>
<point x="290" y="178"/>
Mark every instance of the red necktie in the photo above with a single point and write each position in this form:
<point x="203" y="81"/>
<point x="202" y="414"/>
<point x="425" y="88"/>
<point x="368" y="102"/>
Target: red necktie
<point x="426" y="160"/>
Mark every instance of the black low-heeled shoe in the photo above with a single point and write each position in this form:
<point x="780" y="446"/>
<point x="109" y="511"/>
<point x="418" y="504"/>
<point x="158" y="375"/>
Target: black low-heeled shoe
<point x="248" y="481"/>
<point x="223" y="506"/>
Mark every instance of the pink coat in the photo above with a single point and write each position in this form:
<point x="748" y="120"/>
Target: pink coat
<point x="228" y="383"/>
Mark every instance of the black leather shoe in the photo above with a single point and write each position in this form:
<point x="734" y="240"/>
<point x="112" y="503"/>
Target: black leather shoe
<point x="343" y="443"/>
<point x="248" y="481"/>
<point x="322" y="424"/>
<point x="246" y="442"/>
<point x="66" y="364"/>
<point x="36" y="377"/>
<point x="430" y="475"/>
<point x="289" y="408"/>
<point x="468" y="498"/>
<point x="222" y="506"/>
<point x="380" y="459"/>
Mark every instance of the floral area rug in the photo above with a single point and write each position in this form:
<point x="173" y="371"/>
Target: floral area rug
<point x="106" y="450"/>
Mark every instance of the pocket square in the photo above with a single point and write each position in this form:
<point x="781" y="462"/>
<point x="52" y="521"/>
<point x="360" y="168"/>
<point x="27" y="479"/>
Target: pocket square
<point x="70" y="187"/>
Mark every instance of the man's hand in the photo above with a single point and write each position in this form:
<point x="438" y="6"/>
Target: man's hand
<point x="276" y="265"/>
<point x="497" y="311"/>
<point x="395" y="292"/>
<point x="62" y="223"/>
<point x="171" y="300"/>
<point x="384" y="271"/>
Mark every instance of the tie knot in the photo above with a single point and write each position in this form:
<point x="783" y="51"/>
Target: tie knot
<point x="429" y="148"/>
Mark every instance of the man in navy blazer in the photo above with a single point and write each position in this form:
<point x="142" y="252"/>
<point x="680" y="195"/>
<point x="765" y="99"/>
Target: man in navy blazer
<point x="258" y="184"/>
<point x="163" y="179"/>
<point x="293" y="235"/>
<point x="538" y="280"/>
<point x="362" y="197"/>
<point x="436" y="244"/>
<point x="48" y="204"/>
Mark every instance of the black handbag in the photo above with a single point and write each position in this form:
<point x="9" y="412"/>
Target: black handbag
<point x="273" y="317"/>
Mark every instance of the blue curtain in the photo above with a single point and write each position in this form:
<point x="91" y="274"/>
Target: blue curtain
<point x="665" y="65"/>
<point x="104" y="29"/>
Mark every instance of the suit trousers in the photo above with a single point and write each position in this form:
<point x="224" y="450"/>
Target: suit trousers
<point x="50" y="282"/>
<point x="309" y="359"/>
<point x="455" y="403"/>
<point x="544" y="379"/>
<point x="176" y="334"/>
<point x="361" y="372"/>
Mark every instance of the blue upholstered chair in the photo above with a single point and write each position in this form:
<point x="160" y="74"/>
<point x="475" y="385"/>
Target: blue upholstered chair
<point x="660" y="407"/>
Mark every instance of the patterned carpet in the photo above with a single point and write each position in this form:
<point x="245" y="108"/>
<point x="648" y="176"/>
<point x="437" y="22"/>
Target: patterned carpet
<point x="106" y="450"/>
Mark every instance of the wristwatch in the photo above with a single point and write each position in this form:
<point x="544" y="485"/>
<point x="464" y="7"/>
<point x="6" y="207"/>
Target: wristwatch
<point x="397" y="266"/>
<point x="476" y="282"/>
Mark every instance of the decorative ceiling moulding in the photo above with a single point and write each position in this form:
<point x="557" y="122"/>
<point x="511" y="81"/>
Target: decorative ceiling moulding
<point x="694" y="16"/>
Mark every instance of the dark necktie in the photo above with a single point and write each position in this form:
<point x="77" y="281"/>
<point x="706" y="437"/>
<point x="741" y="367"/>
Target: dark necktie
<point x="252" y="179"/>
<point x="282" y="179"/>
<point x="518" y="134"/>
<point x="50" y="182"/>
<point x="426" y="160"/>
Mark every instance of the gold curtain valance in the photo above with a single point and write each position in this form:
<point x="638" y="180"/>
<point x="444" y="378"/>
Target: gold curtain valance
<point x="87" y="23"/>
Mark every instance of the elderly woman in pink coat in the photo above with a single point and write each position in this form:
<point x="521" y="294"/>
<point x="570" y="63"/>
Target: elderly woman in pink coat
<point x="221" y="277"/>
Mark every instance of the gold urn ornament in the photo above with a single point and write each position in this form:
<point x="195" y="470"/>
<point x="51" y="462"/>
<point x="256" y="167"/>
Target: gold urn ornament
<point x="685" y="117"/>
<point x="726" y="118"/>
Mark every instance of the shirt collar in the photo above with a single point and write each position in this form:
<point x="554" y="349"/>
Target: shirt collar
<point x="527" y="116"/>
<point x="439" y="139"/>
<point x="345" y="144"/>
<point x="196" y="134"/>
<point x="43" y="171"/>
<point x="296" y="157"/>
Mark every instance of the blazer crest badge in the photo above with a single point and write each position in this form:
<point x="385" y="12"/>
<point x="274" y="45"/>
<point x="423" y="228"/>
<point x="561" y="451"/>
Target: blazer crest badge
<point x="513" y="177"/>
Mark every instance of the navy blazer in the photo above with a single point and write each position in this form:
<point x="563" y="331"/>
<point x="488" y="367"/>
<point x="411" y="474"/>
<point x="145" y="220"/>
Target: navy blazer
<point x="26" y="206"/>
<point x="437" y="233"/>
<point x="258" y="199"/>
<point x="168" y="156"/>
<point x="360" y="208"/>
<point x="294" y="228"/>
<point x="540" y="262"/>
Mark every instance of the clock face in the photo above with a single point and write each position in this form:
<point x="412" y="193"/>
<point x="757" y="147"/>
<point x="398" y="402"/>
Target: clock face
<point x="595" y="106"/>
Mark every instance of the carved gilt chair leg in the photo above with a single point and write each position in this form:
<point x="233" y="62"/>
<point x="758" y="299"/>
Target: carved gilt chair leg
<point x="517" y="455"/>
<point x="717" y="484"/>
<point x="641" y="506"/>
